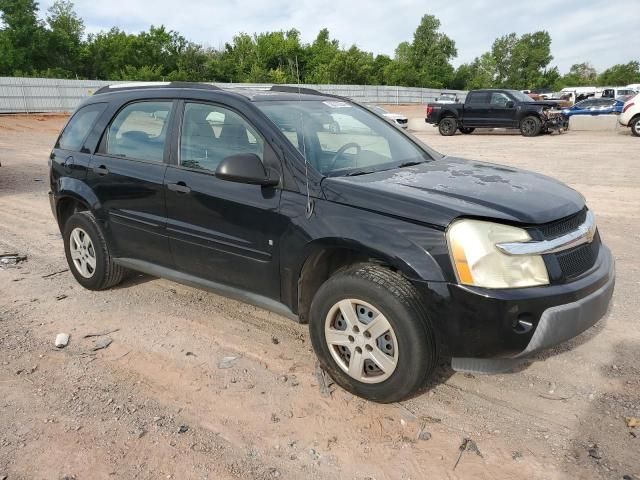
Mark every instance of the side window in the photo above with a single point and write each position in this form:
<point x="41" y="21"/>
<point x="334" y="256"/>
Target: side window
<point x="477" y="98"/>
<point x="139" y="131"/>
<point x="499" y="99"/>
<point x="76" y="131"/>
<point x="210" y="133"/>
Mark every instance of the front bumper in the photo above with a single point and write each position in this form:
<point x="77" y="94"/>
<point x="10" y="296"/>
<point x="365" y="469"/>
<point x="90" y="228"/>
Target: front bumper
<point x="480" y="330"/>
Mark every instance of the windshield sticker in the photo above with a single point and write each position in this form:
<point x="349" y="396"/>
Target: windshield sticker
<point x="336" y="104"/>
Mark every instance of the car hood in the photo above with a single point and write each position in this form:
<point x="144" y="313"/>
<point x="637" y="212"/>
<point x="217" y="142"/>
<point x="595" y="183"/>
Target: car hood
<point x="439" y="191"/>
<point x="545" y="103"/>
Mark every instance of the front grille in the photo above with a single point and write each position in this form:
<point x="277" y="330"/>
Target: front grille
<point x="576" y="261"/>
<point x="402" y="120"/>
<point x="563" y="226"/>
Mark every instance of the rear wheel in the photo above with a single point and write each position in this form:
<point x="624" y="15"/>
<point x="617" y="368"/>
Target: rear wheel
<point x="447" y="126"/>
<point x="88" y="254"/>
<point x="530" y="126"/>
<point x="466" y="130"/>
<point x="370" y="332"/>
<point x="635" y="126"/>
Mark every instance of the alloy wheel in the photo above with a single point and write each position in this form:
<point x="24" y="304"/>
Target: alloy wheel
<point x="82" y="252"/>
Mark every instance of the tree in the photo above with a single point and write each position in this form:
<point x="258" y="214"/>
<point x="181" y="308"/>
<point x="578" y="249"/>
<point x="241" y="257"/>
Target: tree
<point x="319" y="55"/>
<point x="64" y="42"/>
<point x="621" y="74"/>
<point x="431" y="53"/>
<point x="520" y="62"/>
<point x="22" y="38"/>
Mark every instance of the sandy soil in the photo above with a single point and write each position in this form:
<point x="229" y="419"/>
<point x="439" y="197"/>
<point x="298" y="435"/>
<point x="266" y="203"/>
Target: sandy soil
<point x="159" y="402"/>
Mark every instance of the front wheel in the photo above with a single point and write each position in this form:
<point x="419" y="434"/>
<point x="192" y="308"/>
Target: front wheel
<point x="447" y="126"/>
<point x="466" y="130"/>
<point x="370" y="331"/>
<point x="635" y="126"/>
<point x="530" y="126"/>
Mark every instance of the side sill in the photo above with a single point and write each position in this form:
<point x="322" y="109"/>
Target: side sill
<point x="215" y="287"/>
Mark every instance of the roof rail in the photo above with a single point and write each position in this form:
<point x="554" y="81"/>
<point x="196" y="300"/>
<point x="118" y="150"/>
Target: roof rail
<point x="292" y="89"/>
<point x="306" y="91"/>
<point x="139" y="85"/>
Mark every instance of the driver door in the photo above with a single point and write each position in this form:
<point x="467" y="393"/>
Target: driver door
<point x="220" y="230"/>
<point x="502" y="110"/>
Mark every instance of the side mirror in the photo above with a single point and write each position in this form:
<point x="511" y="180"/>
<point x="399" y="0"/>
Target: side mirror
<point x="509" y="104"/>
<point x="245" y="168"/>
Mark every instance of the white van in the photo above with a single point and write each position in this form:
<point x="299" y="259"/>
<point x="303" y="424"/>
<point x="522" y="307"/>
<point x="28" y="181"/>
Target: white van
<point x="615" y="92"/>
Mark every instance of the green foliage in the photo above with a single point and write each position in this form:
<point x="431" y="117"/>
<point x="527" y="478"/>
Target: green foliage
<point x="59" y="48"/>
<point x="622" y="74"/>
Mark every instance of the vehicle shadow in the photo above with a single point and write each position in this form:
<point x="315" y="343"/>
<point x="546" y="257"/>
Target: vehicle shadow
<point x="133" y="279"/>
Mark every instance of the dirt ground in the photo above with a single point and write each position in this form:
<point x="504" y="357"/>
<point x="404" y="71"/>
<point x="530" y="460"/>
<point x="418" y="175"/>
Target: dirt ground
<point x="197" y="386"/>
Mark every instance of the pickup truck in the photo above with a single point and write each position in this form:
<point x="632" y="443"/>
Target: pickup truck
<point x="496" y="109"/>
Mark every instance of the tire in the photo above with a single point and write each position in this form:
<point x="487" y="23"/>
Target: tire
<point x="530" y="126"/>
<point x="466" y="130"/>
<point x="447" y="126"/>
<point x="634" y="124"/>
<point x="88" y="253"/>
<point x="407" y="337"/>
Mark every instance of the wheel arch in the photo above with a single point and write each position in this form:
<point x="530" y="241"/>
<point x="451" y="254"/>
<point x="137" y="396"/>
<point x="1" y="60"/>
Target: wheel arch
<point x="74" y="195"/>
<point x="322" y="258"/>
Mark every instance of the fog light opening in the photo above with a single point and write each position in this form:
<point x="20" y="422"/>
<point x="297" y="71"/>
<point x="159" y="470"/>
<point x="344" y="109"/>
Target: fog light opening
<point x="524" y="323"/>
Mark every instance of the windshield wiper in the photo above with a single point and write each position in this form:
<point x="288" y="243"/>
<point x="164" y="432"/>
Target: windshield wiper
<point x="410" y="164"/>
<point x="355" y="173"/>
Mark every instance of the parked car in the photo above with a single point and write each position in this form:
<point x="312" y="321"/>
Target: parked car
<point x="393" y="253"/>
<point x="615" y="92"/>
<point x="595" y="106"/>
<point x="447" y="98"/>
<point x="543" y="93"/>
<point x="496" y="109"/>
<point x="401" y="120"/>
<point x="630" y="116"/>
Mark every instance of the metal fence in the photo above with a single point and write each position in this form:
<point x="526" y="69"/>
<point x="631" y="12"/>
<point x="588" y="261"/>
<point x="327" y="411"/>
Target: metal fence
<point x="32" y="95"/>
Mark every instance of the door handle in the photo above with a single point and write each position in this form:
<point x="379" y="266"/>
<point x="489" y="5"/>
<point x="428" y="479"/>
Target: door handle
<point x="179" y="187"/>
<point x="101" y="170"/>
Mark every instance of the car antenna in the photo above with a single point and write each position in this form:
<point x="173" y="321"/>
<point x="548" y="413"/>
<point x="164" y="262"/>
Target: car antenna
<point x="309" y="207"/>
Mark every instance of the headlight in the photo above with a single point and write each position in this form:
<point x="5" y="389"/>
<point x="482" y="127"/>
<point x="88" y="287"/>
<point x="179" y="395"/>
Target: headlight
<point x="478" y="262"/>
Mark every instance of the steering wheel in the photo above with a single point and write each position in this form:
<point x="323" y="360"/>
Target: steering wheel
<point x="341" y="151"/>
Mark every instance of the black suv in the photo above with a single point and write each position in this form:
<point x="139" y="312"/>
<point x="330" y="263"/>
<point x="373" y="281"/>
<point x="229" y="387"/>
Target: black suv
<point x="393" y="253"/>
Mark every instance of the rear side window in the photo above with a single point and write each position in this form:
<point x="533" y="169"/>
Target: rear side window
<point x="139" y="131"/>
<point x="477" y="98"/>
<point x="76" y="131"/>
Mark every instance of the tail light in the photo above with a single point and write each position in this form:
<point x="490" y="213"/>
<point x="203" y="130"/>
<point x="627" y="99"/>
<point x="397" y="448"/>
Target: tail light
<point x="429" y="110"/>
<point x="626" y="107"/>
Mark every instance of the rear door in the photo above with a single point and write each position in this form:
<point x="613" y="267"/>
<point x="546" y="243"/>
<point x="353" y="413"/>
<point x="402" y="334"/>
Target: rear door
<point x="127" y="174"/>
<point x="219" y="230"/>
<point x="476" y="109"/>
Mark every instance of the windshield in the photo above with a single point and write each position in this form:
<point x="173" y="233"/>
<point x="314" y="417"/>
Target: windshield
<point x="521" y="97"/>
<point x="341" y="138"/>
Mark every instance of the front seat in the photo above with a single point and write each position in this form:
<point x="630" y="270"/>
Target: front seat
<point x="199" y="142"/>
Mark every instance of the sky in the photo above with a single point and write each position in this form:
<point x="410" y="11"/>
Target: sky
<point x="603" y="32"/>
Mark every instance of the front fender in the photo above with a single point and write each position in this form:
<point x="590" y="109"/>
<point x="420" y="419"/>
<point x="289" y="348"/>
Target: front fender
<point x="417" y="251"/>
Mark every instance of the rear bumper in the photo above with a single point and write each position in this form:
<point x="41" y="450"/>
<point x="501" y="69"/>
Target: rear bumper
<point x="479" y="326"/>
